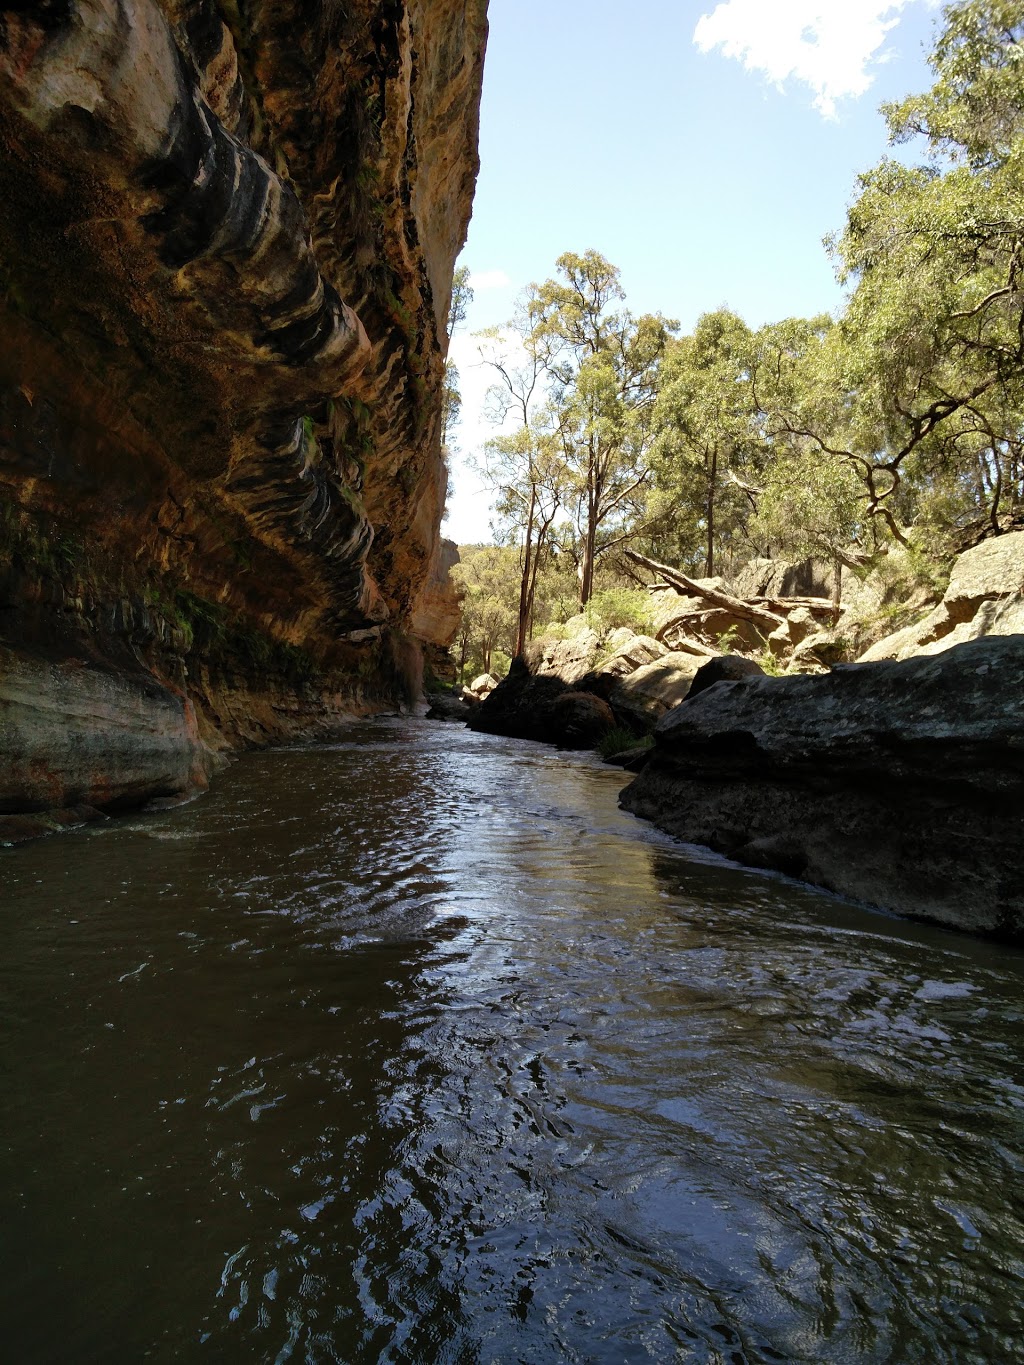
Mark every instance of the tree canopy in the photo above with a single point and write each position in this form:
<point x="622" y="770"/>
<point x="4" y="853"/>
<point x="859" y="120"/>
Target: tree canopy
<point x="901" y="419"/>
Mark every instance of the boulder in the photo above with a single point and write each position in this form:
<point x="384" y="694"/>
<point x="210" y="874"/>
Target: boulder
<point x="726" y="668"/>
<point x="983" y="597"/>
<point x="632" y="653"/>
<point x="995" y="568"/>
<point x="780" y="578"/>
<point x="570" y="659"/>
<point x="481" y="686"/>
<point x="579" y="720"/>
<point x="819" y="652"/>
<point x="650" y="691"/>
<point x="671" y="607"/>
<point x="445" y="706"/>
<point x="899" y="783"/>
<point x="632" y="759"/>
<point x="525" y="706"/>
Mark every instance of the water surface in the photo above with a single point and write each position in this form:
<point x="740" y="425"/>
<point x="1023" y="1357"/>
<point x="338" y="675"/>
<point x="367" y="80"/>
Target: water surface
<point x="415" y="1048"/>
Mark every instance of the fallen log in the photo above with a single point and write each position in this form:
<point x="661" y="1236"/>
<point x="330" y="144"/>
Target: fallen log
<point x="764" y="620"/>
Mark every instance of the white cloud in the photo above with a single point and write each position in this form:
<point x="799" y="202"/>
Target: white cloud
<point x="489" y="279"/>
<point x="826" y="44"/>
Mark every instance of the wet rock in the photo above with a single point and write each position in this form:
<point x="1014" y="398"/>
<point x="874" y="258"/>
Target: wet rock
<point x="544" y="708"/>
<point x="632" y="759"/>
<point x="445" y="706"/>
<point x="899" y="783"/>
<point x="74" y="735"/>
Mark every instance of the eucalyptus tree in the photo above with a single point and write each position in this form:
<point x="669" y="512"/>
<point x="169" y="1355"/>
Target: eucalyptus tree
<point x="522" y="463"/>
<point x="927" y="361"/>
<point x="708" y="439"/>
<point x="602" y="365"/>
<point x="575" y="382"/>
<point x="451" y="397"/>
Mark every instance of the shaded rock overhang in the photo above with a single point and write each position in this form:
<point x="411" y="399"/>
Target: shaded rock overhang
<point x="227" y="236"/>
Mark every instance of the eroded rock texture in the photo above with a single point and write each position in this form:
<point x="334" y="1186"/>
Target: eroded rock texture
<point x="227" y="236"/>
<point x="899" y="783"/>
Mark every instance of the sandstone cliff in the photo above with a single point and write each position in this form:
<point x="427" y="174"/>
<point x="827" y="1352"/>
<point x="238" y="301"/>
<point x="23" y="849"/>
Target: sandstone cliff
<point x="227" y="236"/>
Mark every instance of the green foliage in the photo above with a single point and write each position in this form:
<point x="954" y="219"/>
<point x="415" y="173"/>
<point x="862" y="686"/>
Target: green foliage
<point x="614" y="607"/>
<point x="899" y="424"/>
<point x="727" y="640"/>
<point x="487" y="576"/>
<point x="769" y="663"/>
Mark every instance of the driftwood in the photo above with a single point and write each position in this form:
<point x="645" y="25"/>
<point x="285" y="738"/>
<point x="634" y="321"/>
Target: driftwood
<point x="747" y="611"/>
<point x="785" y="605"/>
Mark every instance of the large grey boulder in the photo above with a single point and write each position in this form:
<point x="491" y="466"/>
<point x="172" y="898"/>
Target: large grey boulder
<point x="631" y="652"/>
<point x="899" y="783"/>
<point x="984" y="597"/>
<point x="570" y="659"/>
<point x="648" y="692"/>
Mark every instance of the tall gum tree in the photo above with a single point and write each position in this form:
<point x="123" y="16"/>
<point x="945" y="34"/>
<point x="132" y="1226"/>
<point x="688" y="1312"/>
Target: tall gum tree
<point x="929" y="356"/>
<point x="603" y="376"/>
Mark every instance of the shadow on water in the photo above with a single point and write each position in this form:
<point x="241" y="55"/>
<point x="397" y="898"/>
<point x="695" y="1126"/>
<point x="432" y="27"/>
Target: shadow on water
<point x="415" y="1048"/>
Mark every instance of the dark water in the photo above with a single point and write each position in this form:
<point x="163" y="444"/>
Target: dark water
<point x="416" y="1049"/>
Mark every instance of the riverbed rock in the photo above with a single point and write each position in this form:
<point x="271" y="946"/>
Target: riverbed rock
<point x="898" y="783"/>
<point x="632" y="759"/>
<point x="579" y="720"/>
<point x="544" y="708"/>
<point x="445" y="706"/>
<point x="77" y="739"/>
<point x="644" y="695"/>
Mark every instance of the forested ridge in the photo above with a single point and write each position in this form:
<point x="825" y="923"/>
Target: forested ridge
<point x="897" y="424"/>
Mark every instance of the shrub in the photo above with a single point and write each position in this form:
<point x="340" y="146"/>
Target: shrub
<point x="620" y="607"/>
<point x="620" y="738"/>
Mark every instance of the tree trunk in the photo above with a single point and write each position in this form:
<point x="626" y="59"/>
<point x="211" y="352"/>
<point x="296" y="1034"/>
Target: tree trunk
<point x="765" y="620"/>
<point x="524" y="584"/>
<point x="709" y="561"/>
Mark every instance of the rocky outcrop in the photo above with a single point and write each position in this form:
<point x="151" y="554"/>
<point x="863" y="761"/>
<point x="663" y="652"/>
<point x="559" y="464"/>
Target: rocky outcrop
<point x="630" y="680"/>
<point x="226" y="247"/>
<point x="985" y="596"/>
<point x="898" y="783"/>
<point x="76" y="739"/>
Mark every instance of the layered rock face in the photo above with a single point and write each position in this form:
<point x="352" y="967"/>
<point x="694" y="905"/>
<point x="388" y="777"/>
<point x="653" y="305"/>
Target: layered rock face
<point x="985" y="596"/>
<point x="899" y="783"/>
<point x="226" y="248"/>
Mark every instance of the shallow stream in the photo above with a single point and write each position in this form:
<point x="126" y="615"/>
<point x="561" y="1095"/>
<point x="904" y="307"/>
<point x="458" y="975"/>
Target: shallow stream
<point x="414" y="1048"/>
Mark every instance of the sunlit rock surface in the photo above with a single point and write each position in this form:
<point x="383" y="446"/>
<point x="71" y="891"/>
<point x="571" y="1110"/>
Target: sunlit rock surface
<point x="227" y="239"/>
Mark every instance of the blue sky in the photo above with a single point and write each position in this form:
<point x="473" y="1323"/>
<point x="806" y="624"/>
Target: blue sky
<point x="704" y="148"/>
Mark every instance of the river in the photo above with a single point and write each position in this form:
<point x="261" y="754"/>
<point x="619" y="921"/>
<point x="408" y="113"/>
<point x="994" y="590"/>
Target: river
<point x="414" y="1048"/>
